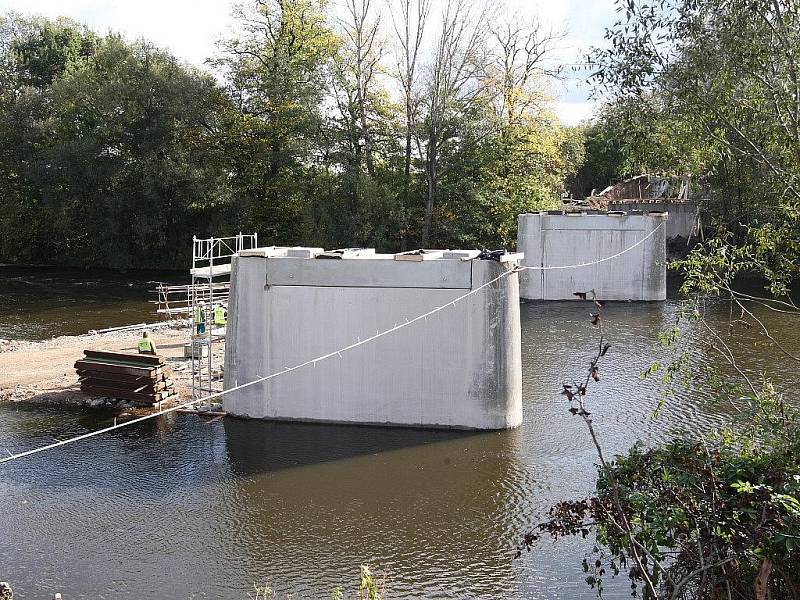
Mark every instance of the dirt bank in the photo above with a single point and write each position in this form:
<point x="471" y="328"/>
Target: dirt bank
<point x="43" y="372"/>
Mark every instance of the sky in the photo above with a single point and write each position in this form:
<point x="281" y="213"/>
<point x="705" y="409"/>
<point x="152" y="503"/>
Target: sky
<point x="191" y="28"/>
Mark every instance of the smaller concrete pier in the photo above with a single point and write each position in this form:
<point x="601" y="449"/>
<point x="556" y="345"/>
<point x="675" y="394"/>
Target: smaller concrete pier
<point x="459" y="368"/>
<point x="683" y="222"/>
<point x="554" y="239"/>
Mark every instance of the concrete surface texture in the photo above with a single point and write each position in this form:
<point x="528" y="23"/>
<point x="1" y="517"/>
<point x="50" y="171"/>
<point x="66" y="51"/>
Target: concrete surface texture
<point x="684" y="216"/>
<point x="561" y="239"/>
<point x="460" y="368"/>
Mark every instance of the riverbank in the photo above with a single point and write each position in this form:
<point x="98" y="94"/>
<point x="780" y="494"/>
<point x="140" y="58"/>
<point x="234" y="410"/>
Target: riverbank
<point x="43" y="372"/>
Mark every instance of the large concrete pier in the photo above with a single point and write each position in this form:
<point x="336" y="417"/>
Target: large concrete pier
<point x="460" y="368"/>
<point x="562" y="239"/>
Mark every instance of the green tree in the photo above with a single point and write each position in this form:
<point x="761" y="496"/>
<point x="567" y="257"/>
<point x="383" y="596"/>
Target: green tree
<point x="277" y="78"/>
<point x="714" y="516"/>
<point x="48" y="48"/>
<point x="604" y="158"/>
<point x="110" y="162"/>
<point x="714" y="83"/>
<point x="489" y="177"/>
<point x="30" y="57"/>
<point x="114" y="153"/>
<point x="493" y="147"/>
<point x="362" y="132"/>
<point x="136" y="173"/>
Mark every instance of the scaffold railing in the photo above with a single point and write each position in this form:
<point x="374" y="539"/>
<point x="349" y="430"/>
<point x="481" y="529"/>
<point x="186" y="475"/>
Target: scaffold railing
<point x="207" y="304"/>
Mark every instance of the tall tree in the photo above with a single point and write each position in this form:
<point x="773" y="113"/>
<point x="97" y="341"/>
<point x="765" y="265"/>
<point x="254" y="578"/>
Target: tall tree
<point x="453" y="84"/>
<point x="364" y="132"/>
<point x="134" y="174"/>
<point x="276" y="71"/>
<point x="105" y="153"/>
<point x="409" y="18"/>
<point x="33" y="52"/>
<point x="521" y="66"/>
<point x="43" y="54"/>
<point x="361" y="41"/>
<point x="307" y="142"/>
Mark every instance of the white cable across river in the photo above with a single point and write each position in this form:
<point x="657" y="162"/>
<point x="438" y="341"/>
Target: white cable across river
<point x="313" y="361"/>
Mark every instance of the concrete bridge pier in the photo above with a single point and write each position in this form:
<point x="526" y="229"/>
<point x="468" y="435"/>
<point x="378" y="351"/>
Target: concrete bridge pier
<point x="553" y="239"/>
<point x="460" y="368"/>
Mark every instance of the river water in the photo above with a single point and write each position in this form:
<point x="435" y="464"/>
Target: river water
<point x="43" y="302"/>
<point x="182" y="508"/>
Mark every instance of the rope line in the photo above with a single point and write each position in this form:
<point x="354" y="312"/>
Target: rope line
<point x="314" y="361"/>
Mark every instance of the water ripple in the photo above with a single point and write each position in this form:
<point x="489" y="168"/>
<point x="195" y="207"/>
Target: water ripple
<point x="181" y="508"/>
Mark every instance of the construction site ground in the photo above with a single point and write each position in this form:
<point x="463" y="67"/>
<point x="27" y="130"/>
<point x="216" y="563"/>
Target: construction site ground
<point x="43" y="372"/>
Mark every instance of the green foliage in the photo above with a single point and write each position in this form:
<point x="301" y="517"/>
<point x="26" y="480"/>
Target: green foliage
<point x="276" y="80"/>
<point x="115" y="153"/>
<point x="711" y="512"/>
<point x="708" y="88"/>
<point x="715" y="516"/>
<point x="711" y="517"/>
<point x="604" y="159"/>
<point x="110" y="165"/>
<point x="368" y="588"/>
<point x="771" y="252"/>
<point x="489" y="179"/>
<point x="45" y="52"/>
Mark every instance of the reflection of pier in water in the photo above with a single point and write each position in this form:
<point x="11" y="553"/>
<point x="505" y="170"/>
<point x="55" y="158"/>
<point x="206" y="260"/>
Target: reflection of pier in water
<point x="318" y="500"/>
<point x="256" y="446"/>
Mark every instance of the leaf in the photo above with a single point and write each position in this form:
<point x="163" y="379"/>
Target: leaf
<point x="595" y="318"/>
<point x="596" y="373"/>
<point x="605" y="349"/>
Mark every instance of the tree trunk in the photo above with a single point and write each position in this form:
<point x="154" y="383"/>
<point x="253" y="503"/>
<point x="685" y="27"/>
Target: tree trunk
<point x="407" y="181"/>
<point x="430" y="176"/>
<point x="367" y="140"/>
<point x="761" y="585"/>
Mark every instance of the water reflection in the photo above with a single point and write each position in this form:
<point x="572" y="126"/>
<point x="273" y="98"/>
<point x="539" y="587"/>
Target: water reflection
<point x="434" y="506"/>
<point x="257" y="447"/>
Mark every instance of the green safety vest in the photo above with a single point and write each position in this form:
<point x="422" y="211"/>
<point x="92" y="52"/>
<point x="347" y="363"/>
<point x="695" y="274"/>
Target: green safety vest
<point x="219" y="316"/>
<point x="146" y="345"/>
<point x="199" y="315"/>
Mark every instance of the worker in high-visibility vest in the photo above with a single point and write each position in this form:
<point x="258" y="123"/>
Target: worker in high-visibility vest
<point x="220" y="315"/>
<point x="200" y="317"/>
<point x="147" y="345"/>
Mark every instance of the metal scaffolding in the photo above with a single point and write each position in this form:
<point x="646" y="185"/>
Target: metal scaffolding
<point x="209" y="290"/>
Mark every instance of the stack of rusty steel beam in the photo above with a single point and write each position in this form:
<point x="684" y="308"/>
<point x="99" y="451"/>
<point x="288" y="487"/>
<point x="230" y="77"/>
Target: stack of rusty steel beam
<point x="143" y="379"/>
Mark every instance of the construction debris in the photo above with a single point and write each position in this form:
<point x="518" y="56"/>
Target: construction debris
<point x="142" y="379"/>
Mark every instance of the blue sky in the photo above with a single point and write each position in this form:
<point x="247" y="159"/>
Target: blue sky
<point x="190" y="28"/>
